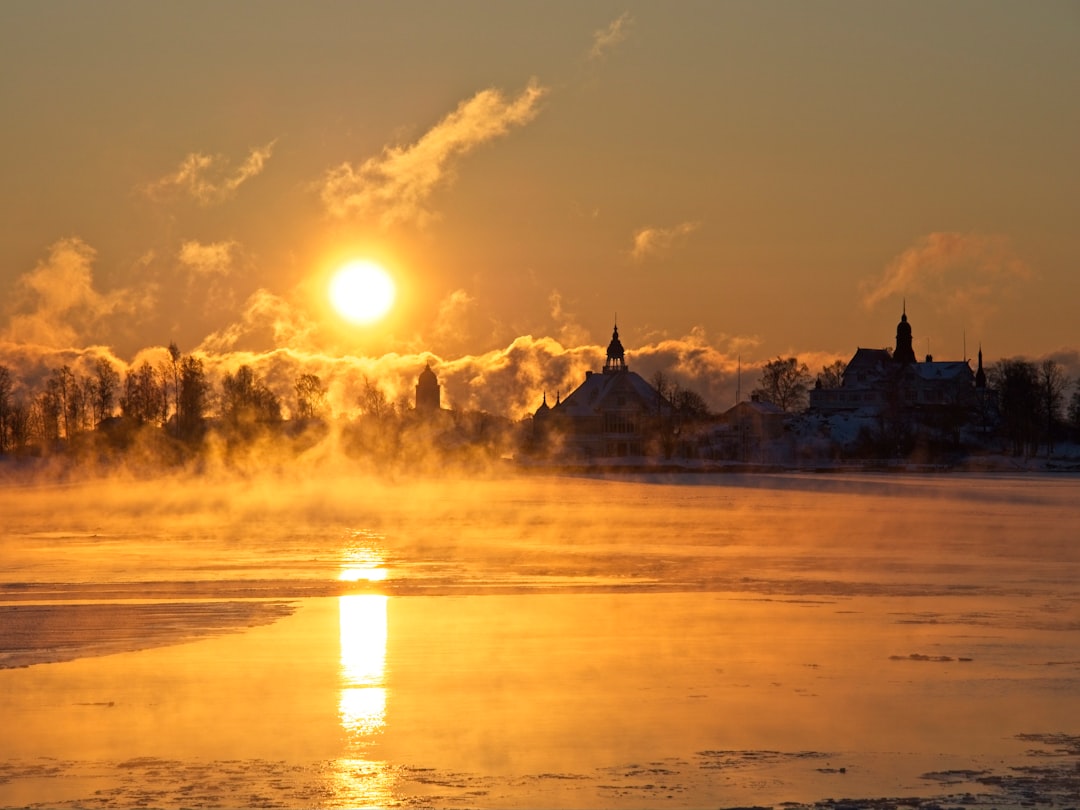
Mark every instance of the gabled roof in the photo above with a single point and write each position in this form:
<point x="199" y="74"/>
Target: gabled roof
<point x="868" y="364"/>
<point x="596" y="392"/>
<point x="760" y="407"/>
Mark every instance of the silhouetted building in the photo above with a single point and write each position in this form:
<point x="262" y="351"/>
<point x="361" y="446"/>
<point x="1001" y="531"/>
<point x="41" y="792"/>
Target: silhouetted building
<point x="879" y="381"/>
<point x="750" y="431"/>
<point x="428" y="392"/>
<point x="614" y="413"/>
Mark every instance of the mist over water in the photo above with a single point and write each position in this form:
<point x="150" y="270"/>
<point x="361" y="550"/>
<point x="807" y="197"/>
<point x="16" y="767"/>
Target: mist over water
<point x="306" y="637"/>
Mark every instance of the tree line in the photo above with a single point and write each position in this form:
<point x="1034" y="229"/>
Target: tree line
<point x="1032" y="409"/>
<point x="172" y="409"/>
<point x="176" y="395"/>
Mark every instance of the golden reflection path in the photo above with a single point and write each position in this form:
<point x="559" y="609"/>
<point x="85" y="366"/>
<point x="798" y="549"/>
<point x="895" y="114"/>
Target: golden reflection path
<point x="362" y="621"/>
<point x="362" y="703"/>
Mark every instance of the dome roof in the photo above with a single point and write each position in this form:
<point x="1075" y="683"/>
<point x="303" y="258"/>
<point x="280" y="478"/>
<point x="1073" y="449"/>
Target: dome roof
<point x="427" y="374"/>
<point x="615" y="348"/>
<point x="903" y="327"/>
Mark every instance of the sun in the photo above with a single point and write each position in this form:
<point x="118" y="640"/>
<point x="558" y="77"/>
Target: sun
<point x="362" y="292"/>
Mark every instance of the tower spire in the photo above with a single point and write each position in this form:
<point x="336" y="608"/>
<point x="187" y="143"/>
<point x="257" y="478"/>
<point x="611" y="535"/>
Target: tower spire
<point x="616" y="355"/>
<point x="904" y="353"/>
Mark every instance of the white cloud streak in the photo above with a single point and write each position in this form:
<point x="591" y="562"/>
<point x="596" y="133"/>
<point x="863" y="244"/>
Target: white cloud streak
<point x="210" y="179"/>
<point x="396" y="186"/>
<point x="965" y="274"/>
<point x="607" y="38"/>
<point x="653" y="241"/>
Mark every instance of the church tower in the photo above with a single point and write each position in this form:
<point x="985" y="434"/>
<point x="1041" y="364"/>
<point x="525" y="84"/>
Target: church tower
<point x="616" y="357"/>
<point x="904" y="353"/>
<point x="980" y="375"/>
<point x="428" y="391"/>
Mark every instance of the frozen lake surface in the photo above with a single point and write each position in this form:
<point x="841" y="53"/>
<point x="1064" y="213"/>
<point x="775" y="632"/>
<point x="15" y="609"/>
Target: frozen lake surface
<point x="541" y="641"/>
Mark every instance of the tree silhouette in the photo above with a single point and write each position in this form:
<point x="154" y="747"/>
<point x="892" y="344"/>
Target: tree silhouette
<point x="832" y="376"/>
<point x="1017" y="384"/>
<point x="246" y="399"/>
<point x="143" y="400"/>
<point x="193" y="393"/>
<point x="1052" y="384"/>
<point x="310" y="396"/>
<point x="106" y="384"/>
<point x="373" y="402"/>
<point x="785" y="383"/>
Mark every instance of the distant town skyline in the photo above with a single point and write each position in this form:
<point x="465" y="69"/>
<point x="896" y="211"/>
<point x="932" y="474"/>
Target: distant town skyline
<point x="737" y="181"/>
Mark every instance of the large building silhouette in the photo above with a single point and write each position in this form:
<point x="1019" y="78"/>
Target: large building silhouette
<point x="879" y="381"/>
<point x="614" y="413"/>
<point x="900" y="406"/>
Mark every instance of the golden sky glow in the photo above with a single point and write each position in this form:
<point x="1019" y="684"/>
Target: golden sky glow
<point x="738" y="180"/>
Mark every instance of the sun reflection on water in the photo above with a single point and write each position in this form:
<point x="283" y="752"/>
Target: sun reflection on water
<point x="362" y="701"/>
<point x="362" y="704"/>
<point x="363" y="562"/>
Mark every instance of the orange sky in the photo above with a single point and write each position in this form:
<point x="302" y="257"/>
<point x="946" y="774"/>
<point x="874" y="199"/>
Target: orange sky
<point x="734" y="179"/>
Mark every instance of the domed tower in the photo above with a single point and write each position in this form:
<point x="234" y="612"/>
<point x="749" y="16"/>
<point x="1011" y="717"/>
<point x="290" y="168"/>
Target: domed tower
<point x="616" y="356"/>
<point x="904" y="353"/>
<point x="428" y="391"/>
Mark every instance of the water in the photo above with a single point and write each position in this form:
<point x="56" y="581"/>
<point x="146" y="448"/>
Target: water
<point x="301" y="640"/>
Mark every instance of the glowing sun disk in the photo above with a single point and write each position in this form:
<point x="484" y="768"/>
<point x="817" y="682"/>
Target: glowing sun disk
<point x="362" y="292"/>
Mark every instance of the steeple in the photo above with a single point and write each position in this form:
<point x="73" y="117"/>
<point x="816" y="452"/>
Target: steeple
<point x="904" y="353"/>
<point x="616" y="356"/>
<point x="980" y="375"/>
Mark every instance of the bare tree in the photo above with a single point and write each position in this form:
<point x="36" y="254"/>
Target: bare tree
<point x="310" y="396"/>
<point x="373" y="402"/>
<point x="1074" y="409"/>
<point x="245" y="398"/>
<point x="19" y="425"/>
<point x="194" y="392"/>
<point x="690" y="405"/>
<point x="1017" y="384"/>
<point x="785" y="383"/>
<point x="106" y="385"/>
<point x="832" y="376"/>
<point x="144" y="399"/>
<point x="1052" y="384"/>
<point x="47" y="413"/>
<point x="62" y="387"/>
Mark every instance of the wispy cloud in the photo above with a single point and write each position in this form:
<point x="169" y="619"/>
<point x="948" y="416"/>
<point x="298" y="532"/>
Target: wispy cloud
<point x="56" y="303"/>
<point x="266" y="319"/>
<point x="213" y="259"/>
<point x="452" y="318"/>
<point x="966" y="274"/>
<point x="396" y="186"/>
<point x="652" y="241"/>
<point x="607" y="38"/>
<point x="570" y="331"/>
<point x="210" y="179"/>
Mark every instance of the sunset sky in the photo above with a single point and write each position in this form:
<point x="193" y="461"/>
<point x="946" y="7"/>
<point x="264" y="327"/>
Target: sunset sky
<point x="736" y="180"/>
